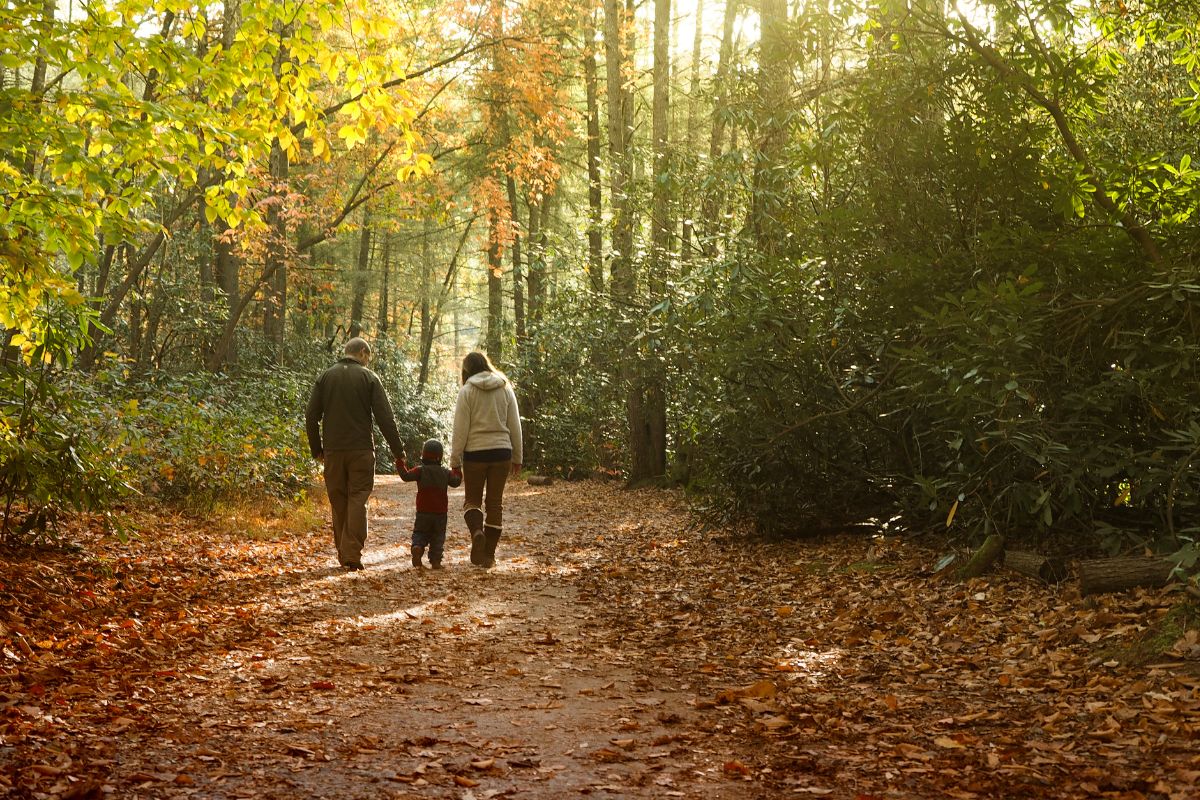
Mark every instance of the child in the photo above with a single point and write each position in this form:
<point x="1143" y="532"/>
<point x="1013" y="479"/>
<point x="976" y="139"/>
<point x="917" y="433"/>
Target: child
<point x="429" y="527"/>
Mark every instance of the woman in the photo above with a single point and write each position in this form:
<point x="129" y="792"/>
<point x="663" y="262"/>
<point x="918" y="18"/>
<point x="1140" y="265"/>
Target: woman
<point x="486" y="445"/>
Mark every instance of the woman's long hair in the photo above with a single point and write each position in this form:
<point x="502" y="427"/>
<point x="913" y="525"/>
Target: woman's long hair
<point x="475" y="363"/>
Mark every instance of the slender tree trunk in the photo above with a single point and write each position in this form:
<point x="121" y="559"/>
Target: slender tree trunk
<point x="362" y="269"/>
<point x="135" y="266"/>
<point x="275" y="307"/>
<point x="495" y="319"/>
<point x="517" y="270"/>
<point x="661" y="223"/>
<point x="536" y="273"/>
<point x="595" y="262"/>
<point x="275" y="304"/>
<point x="624" y="275"/>
<point x="228" y="276"/>
<point x="495" y="282"/>
<point x="227" y="265"/>
<point x="693" y="119"/>
<point x="763" y="221"/>
<point x="620" y="107"/>
<point x="714" y="198"/>
<point x="224" y="344"/>
<point x="649" y="446"/>
<point x="385" y="270"/>
<point x="426" y="334"/>
<point x="37" y="85"/>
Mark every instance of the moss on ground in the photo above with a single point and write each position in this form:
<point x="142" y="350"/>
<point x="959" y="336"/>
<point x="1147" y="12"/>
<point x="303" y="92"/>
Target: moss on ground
<point x="1156" y="642"/>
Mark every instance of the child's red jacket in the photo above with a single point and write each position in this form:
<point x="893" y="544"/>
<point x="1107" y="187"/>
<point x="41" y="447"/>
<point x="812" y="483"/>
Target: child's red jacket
<point x="432" y="481"/>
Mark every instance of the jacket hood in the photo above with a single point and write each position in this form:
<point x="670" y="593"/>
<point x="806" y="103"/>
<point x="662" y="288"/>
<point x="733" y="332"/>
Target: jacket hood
<point x="486" y="380"/>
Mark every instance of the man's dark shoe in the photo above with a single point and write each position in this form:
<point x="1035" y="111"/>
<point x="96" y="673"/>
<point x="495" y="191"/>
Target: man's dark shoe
<point x="417" y="552"/>
<point x="353" y="566"/>
<point x="435" y="565"/>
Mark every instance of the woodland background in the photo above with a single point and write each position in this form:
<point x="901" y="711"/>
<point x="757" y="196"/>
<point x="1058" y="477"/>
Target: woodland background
<point x="918" y="265"/>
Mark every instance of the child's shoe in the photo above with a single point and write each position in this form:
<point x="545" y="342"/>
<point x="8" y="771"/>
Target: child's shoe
<point x="417" y="552"/>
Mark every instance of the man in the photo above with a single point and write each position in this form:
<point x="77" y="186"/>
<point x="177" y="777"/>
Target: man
<point x="344" y="401"/>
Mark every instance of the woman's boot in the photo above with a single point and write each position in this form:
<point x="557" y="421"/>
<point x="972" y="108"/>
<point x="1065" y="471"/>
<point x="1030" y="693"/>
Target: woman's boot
<point x="491" y="536"/>
<point x="474" y="520"/>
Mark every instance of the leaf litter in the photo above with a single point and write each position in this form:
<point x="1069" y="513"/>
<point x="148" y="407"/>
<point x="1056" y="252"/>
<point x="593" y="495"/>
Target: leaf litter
<point x="611" y="653"/>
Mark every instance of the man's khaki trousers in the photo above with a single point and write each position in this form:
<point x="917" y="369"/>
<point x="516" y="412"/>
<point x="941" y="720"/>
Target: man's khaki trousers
<point x="349" y="479"/>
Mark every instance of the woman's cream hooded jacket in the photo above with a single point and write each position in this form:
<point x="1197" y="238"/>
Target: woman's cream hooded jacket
<point x="486" y="418"/>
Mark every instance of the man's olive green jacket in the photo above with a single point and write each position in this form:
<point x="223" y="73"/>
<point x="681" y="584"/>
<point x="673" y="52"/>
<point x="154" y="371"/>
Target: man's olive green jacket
<point x="344" y="401"/>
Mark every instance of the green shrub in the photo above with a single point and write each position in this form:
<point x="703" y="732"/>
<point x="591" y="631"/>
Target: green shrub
<point x="58" y="441"/>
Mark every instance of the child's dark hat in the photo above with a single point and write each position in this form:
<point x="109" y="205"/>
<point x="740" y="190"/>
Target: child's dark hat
<point x="431" y="451"/>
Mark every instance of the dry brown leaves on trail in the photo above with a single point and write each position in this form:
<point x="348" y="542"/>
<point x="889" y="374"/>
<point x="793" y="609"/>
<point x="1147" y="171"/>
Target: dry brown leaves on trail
<point x="614" y="652"/>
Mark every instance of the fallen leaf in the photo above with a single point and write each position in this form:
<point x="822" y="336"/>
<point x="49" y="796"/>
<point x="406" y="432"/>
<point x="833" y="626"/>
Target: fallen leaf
<point x="763" y="688"/>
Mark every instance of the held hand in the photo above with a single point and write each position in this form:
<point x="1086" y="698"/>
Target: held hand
<point x="320" y="458"/>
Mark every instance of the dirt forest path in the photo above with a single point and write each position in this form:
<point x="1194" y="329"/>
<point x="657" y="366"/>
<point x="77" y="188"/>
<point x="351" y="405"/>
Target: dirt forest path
<point x="460" y="683"/>
<point x="616" y="651"/>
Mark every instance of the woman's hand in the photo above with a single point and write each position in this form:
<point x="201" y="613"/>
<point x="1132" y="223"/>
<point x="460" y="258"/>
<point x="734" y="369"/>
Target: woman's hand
<point x="516" y="469"/>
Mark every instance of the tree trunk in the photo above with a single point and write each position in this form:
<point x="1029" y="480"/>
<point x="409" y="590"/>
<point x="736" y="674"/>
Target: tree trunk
<point x="278" y="251"/>
<point x="651" y="461"/>
<point x="991" y="550"/>
<point x="385" y="269"/>
<point x="537" y="266"/>
<point x="1044" y="568"/>
<point x="685" y="245"/>
<point x="37" y="85"/>
<point x="714" y="198"/>
<point x="135" y="266"/>
<point x="362" y="269"/>
<point x="426" y="334"/>
<point x="275" y="302"/>
<point x="1118" y="574"/>
<point x="226" y="264"/>
<point x="769" y="183"/>
<point x="620" y="110"/>
<point x="495" y="319"/>
<point x="217" y="359"/>
<point x="227" y="271"/>
<point x="447" y="290"/>
<point x="595" y="268"/>
<point x="517" y="269"/>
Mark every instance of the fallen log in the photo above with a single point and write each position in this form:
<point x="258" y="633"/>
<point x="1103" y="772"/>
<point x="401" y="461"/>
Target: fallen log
<point x="539" y="480"/>
<point x="1044" y="568"/>
<point x="991" y="549"/>
<point x="1101" y="575"/>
